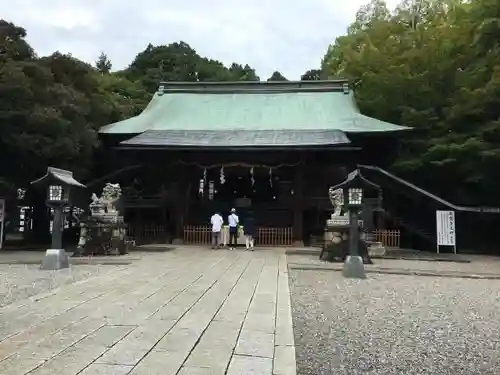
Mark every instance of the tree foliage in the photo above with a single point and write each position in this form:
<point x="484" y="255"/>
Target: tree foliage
<point x="52" y="107"/>
<point x="277" y="76"/>
<point x="103" y="64"/>
<point x="180" y="62"/>
<point x="432" y="65"/>
<point x="311" y="75"/>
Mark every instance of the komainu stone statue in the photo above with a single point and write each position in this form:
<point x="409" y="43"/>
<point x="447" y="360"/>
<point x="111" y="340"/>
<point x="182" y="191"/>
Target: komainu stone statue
<point x="337" y="200"/>
<point x="103" y="231"/>
<point x="110" y="197"/>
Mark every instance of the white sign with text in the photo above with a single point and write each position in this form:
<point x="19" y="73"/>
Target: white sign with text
<point x="445" y="228"/>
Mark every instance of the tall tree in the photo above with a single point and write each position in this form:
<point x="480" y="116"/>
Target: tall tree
<point x="417" y="68"/>
<point x="277" y="76"/>
<point x="103" y="64"/>
<point x="13" y="45"/>
<point x="180" y="62"/>
<point x="243" y="73"/>
<point x="51" y="109"/>
<point x="311" y="75"/>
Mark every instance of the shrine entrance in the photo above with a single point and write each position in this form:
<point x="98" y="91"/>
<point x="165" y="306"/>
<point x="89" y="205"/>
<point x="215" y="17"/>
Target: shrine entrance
<point x="257" y="186"/>
<point x="266" y="192"/>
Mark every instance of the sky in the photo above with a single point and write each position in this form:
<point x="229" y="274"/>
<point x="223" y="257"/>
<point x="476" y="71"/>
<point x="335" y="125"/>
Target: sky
<point x="290" y="36"/>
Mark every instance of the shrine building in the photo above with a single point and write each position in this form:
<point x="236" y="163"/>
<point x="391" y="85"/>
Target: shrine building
<point x="273" y="148"/>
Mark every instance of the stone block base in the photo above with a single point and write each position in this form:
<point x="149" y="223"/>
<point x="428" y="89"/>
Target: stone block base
<point x="55" y="259"/>
<point x="376" y="250"/>
<point x="177" y="241"/>
<point x="354" y="267"/>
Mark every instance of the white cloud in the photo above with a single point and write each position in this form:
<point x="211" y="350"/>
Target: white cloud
<point x="289" y="36"/>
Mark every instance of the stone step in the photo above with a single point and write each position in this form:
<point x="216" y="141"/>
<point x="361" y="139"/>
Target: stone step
<point x="304" y="251"/>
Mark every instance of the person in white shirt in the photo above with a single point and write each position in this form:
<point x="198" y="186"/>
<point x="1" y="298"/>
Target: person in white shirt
<point x="217" y="221"/>
<point x="233" y="221"/>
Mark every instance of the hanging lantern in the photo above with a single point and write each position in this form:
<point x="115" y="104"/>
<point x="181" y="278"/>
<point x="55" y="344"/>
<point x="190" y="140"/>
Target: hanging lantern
<point x="202" y="187"/>
<point x="203" y="182"/>
<point x="222" y="177"/>
<point x="211" y="190"/>
<point x="252" y="179"/>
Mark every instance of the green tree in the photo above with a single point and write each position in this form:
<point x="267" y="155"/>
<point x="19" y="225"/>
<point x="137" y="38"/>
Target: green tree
<point x="120" y="98"/>
<point x="51" y="109"/>
<point x="180" y="62"/>
<point x="430" y="65"/>
<point x="311" y="75"/>
<point x="277" y="76"/>
<point x="13" y="46"/>
<point x="103" y="64"/>
<point x="243" y="73"/>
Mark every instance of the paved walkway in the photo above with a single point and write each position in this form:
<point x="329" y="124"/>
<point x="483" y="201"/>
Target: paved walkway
<point x="186" y="312"/>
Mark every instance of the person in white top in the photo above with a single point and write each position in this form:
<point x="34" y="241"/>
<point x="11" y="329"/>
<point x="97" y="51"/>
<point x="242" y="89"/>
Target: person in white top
<point x="233" y="221"/>
<point x="217" y="221"/>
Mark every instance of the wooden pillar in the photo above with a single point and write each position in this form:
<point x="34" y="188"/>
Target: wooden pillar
<point x="298" y="206"/>
<point x="370" y="205"/>
<point x="179" y="207"/>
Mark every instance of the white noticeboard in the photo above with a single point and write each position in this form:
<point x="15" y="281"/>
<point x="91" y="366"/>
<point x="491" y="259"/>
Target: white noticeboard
<point x="2" y="220"/>
<point x="445" y="229"/>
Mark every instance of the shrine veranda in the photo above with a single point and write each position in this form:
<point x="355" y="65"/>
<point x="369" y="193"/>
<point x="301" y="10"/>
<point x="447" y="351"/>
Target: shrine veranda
<point x="272" y="148"/>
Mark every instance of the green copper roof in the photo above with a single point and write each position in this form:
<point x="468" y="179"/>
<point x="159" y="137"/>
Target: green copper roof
<point x="222" y="106"/>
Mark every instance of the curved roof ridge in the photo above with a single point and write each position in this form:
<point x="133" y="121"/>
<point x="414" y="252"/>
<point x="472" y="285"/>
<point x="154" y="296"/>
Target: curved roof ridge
<point x="253" y="86"/>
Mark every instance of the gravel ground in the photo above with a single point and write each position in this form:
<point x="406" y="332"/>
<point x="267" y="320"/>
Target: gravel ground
<point x="391" y="324"/>
<point x="18" y="282"/>
<point x="480" y="265"/>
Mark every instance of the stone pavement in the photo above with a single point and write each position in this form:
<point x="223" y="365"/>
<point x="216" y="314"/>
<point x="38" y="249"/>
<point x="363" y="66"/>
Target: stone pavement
<point x="187" y="312"/>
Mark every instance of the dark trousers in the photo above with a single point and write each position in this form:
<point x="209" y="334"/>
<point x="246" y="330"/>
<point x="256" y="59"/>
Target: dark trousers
<point x="215" y="239"/>
<point x="233" y="236"/>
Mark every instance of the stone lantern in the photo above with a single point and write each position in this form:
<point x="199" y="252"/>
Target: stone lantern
<point x="353" y="199"/>
<point x="59" y="184"/>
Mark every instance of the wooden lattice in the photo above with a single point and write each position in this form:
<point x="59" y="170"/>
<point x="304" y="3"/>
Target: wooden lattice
<point x="388" y="238"/>
<point x="202" y="235"/>
<point x="197" y="235"/>
<point x="147" y="233"/>
<point x="274" y="236"/>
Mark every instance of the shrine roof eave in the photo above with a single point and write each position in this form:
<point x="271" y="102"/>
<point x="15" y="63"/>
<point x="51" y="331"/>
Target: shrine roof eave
<point x="59" y="175"/>
<point x="240" y="148"/>
<point x="254" y="139"/>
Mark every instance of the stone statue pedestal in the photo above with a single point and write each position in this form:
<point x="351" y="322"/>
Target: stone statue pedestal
<point x="55" y="259"/>
<point x="104" y="231"/>
<point x="336" y="246"/>
<point x="337" y="229"/>
<point x="336" y="238"/>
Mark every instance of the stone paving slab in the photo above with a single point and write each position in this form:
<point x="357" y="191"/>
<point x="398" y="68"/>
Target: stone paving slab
<point x="188" y="311"/>
<point x="98" y="369"/>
